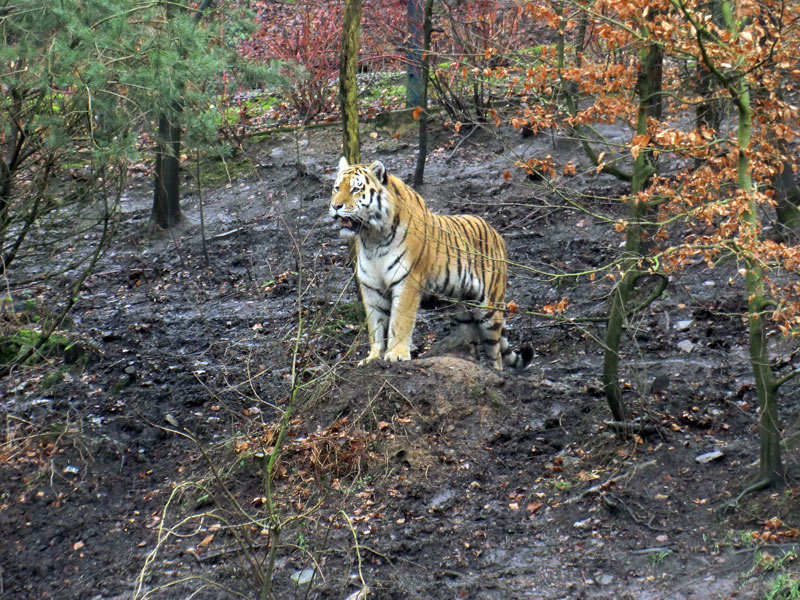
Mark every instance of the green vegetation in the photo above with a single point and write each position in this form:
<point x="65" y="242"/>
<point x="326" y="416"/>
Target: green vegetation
<point x="218" y="171"/>
<point x="82" y="81"/>
<point x="347" y="315"/>
<point x="658" y="557"/>
<point x="23" y="340"/>
<point x="785" y="586"/>
<point x="389" y="88"/>
<point x="766" y="562"/>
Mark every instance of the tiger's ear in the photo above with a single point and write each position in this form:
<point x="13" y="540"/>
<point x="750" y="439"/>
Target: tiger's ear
<point x="343" y="164"/>
<point x="379" y="171"/>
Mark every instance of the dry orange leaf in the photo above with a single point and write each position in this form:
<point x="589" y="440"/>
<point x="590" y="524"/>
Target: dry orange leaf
<point x="417" y="112"/>
<point x="533" y="506"/>
<point x="207" y="540"/>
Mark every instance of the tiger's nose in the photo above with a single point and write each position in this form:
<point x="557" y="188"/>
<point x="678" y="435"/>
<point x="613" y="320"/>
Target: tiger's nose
<point x="337" y="205"/>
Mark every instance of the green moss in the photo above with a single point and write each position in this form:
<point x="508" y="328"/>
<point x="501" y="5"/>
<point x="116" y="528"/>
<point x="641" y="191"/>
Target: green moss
<point x="255" y="107"/>
<point x="14" y="345"/>
<point x="218" y="172"/>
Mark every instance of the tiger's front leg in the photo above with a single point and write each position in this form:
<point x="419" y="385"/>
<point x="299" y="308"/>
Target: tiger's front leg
<point x="405" y="302"/>
<point x="377" y="307"/>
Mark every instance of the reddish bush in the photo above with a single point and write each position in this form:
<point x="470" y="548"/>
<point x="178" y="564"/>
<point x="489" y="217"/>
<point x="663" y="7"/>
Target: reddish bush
<point x="306" y="37"/>
<point x="475" y="37"/>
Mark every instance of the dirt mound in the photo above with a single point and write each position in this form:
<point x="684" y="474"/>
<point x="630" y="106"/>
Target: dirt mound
<point x="439" y="410"/>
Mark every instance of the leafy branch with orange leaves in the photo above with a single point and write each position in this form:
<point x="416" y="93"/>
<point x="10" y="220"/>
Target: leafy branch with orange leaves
<point x="707" y="94"/>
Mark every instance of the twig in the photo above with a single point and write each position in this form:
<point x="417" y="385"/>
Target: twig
<point x="229" y="550"/>
<point x="651" y="550"/>
<point x="598" y="488"/>
<point x="614" y="503"/>
<point x="458" y="144"/>
<point x="225" y="235"/>
<point x="364" y="586"/>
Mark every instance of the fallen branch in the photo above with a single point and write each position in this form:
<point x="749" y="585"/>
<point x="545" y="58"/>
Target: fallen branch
<point x="596" y="489"/>
<point x="225" y="235"/>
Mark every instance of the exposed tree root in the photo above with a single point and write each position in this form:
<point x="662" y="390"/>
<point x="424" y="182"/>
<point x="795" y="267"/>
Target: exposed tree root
<point x="761" y="483"/>
<point x="632" y="427"/>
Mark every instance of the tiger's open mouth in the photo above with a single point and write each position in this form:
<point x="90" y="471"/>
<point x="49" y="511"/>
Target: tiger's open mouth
<point x="353" y="225"/>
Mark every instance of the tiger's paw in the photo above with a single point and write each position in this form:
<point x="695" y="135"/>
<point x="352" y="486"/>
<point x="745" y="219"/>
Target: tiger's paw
<point x="397" y="356"/>
<point x="369" y="359"/>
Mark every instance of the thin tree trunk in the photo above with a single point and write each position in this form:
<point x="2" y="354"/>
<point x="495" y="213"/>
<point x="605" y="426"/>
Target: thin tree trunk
<point x="422" y="154"/>
<point x="787" y="196"/>
<point x="771" y="468"/>
<point x="166" y="211"/>
<point x="569" y="90"/>
<point x="351" y="30"/>
<point x="13" y="153"/>
<point x="416" y="18"/>
<point x="166" y="195"/>
<point x="642" y="171"/>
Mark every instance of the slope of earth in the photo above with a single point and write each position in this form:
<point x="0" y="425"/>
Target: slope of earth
<point x="138" y="471"/>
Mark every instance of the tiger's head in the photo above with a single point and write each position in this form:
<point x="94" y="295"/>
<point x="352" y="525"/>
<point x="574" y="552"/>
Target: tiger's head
<point x="360" y="201"/>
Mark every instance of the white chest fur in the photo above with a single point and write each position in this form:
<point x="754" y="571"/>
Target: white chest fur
<point x="381" y="265"/>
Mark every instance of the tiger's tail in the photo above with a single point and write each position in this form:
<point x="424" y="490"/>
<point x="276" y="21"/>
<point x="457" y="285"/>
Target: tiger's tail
<point x="516" y="360"/>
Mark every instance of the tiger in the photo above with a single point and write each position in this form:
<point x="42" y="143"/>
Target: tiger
<point x="407" y="256"/>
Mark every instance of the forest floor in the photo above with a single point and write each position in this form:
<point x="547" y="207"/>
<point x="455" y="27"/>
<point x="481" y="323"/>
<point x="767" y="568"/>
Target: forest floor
<point x="137" y="471"/>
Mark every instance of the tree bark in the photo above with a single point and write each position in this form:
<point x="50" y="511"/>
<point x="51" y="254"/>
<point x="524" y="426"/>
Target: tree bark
<point x="351" y="30"/>
<point x="787" y="195"/>
<point x="649" y="80"/>
<point x="771" y="468"/>
<point x="166" y="211"/>
<point x="415" y="47"/>
<point x="422" y="153"/>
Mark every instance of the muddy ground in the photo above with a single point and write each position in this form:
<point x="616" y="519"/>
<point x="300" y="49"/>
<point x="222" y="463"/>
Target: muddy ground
<point x="137" y="471"/>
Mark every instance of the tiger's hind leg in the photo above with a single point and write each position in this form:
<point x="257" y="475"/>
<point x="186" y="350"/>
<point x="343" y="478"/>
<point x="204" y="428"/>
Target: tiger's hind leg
<point x="493" y="339"/>
<point x="467" y="332"/>
<point x="490" y="331"/>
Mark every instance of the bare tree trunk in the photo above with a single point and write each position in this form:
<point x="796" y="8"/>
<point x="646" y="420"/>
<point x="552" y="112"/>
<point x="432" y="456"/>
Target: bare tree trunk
<point x="787" y="195"/>
<point x="771" y="468"/>
<point x="416" y="18"/>
<point x="166" y="211"/>
<point x="351" y="30"/>
<point x="422" y="153"/>
<point x="649" y="81"/>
